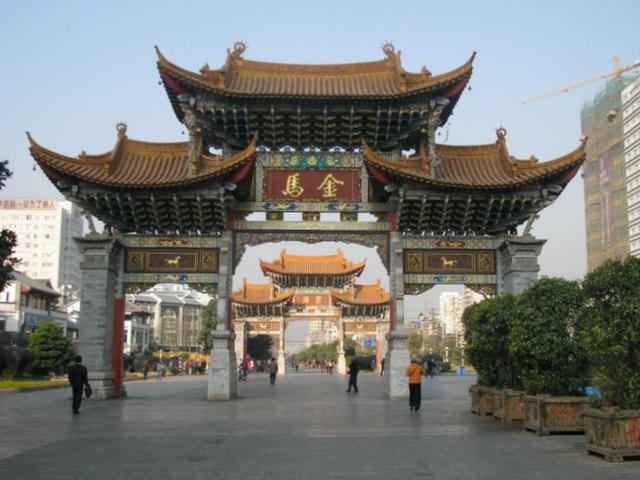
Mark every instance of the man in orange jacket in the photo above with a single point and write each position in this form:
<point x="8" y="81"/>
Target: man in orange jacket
<point x="415" y="372"/>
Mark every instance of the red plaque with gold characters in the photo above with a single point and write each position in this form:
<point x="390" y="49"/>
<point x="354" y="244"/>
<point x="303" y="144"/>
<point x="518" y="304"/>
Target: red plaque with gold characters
<point x="312" y="185"/>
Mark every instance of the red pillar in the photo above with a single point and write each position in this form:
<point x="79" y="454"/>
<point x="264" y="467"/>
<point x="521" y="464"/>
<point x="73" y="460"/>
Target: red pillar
<point x="116" y="348"/>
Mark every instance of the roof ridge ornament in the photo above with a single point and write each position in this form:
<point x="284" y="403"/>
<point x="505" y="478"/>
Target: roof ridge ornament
<point x="121" y="128"/>
<point x="393" y="56"/>
<point x="239" y="46"/>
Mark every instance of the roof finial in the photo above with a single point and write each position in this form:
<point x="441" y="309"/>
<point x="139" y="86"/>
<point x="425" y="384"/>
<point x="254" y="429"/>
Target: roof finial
<point x="239" y="46"/>
<point x="501" y="132"/>
<point x="121" y="127"/>
<point x="388" y="49"/>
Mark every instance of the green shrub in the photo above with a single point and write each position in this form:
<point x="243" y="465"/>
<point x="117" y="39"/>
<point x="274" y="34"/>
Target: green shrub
<point x="444" y="367"/>
<point x="487" y="327"/>
<point x="543" y="342"/>
<point x="611" y="330"/>
<point x="51" y="350"/>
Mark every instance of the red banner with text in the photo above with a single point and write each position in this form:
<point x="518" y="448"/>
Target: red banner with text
<point x="312" y="185"/>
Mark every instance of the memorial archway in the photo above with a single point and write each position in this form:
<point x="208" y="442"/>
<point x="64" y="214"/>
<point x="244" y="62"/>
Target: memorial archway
<point x="318" y="283"/>
<point x="346" y="139"/>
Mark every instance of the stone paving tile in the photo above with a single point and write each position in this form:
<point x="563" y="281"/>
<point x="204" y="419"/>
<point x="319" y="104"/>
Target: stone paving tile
<point x="304" y="427"/>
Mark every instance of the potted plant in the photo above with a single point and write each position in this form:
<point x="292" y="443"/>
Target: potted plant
<point x="611" y="337"/>
<point x="548" y="356"/>
<point x="486" y="334"/>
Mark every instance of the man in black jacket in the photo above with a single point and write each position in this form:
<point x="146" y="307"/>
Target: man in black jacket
<point x="78" y="379"/>
<point x="353" y="376"/>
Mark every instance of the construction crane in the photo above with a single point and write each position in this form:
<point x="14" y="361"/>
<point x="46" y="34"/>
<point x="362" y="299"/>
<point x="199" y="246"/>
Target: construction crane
<point x="617" y="72"/>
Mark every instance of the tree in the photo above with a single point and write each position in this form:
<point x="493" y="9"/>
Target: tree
<point x="209" y="322"/>
<point x="8" y="239"/>
<point x="543" y="340"/>
<point x="349" y="346"/>
<point x="487" y="327"/>
<point x="610" y="330"/>
<point x="51" y="350"/>
<point x="414" y="343"/>
<point x="259" y="347"/>
<point x="320" y="353"/>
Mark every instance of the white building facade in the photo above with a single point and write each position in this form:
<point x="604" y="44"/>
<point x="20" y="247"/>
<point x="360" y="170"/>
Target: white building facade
<point x="45" y="231"/>
<point x="175" y="317"/>
<point x="451" y="313"/>
<point x="469" y="297"/>
<point x="631" y="132"/>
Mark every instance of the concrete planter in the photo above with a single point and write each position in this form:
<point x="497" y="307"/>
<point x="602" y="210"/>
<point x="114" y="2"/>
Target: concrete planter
<point x="544" y="414"/>
<point x="509" y="406"/>
<point x="475" y="398"/>
<point x="481" y="400"/>
<point x="613" y="433"/>
<point x="496" y="398"/>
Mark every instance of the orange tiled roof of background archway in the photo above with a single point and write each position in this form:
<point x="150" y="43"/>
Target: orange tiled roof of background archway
<point x="370" y="294"/>
<point x="336" y="264"/>
<point x="253" y="293"/>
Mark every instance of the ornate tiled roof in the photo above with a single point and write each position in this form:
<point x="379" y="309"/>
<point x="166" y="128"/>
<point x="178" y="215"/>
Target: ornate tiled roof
<point x="477" y="167"/>
<point x="136" y="164"/>
<point x="336" y="264"/>
<point x="372" y="294"/>
<point x="252" y="293"/>
<point x="241" y="77"/>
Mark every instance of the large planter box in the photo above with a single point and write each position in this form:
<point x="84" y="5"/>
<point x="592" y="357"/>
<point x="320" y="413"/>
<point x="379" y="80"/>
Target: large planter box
<point x="509" y="406"/>
<point x="496" y="397"/>
<point x="545" y="414"/>
<point x="613" y="433"/>
<point x="481" y="400"/>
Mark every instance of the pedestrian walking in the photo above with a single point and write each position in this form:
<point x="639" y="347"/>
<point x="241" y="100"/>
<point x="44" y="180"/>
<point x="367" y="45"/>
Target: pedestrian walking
<point x="353" y="376"/>
<point x="382" y="367"/>
<point x="273" y="370"/>
<point x="145" y="369"/>
<point x="415" y="372"/>
<point x="431" y="368"/>
<point x="78" y="379"/>
<point x="159" y="370"/>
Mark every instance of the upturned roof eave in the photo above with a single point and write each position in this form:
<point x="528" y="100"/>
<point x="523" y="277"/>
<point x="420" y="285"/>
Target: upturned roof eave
<point x="541" y="172"/>
<point x="269" y="267"/>
<point x="193" y="79"/>
<point x="56" y="165"/>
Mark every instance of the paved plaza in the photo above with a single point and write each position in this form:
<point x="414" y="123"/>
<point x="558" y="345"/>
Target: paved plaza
<point x="306" y="427"/>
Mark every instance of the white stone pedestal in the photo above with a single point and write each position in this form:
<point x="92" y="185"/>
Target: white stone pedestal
<point x="102" y="385"/>
<point x="396" y="362"/>
<point x="282" y="364"/>
<point x="223" y="380"/>
<point x="342" y="365"/>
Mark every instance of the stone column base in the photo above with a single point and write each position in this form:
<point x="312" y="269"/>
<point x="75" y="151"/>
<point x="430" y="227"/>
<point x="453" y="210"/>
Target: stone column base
<point x="342" y="365"/>
<point x="396" y="362"/>
<point x="102" y="385"/>
<point x="223" y="380"/>
<point x="282" y="364"/>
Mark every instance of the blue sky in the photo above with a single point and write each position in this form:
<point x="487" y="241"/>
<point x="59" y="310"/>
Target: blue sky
<point x="72" y="70"/>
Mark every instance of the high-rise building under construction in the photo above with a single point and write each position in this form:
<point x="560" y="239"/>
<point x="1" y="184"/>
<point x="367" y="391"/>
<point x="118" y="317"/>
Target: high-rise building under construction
<point x="604" y="175"/>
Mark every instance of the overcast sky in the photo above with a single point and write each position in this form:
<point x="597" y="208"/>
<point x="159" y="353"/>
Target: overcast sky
<point x="72" y="70"/>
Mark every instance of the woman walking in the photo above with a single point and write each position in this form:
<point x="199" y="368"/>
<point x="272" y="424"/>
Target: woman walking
<point x="415" y="372"/>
